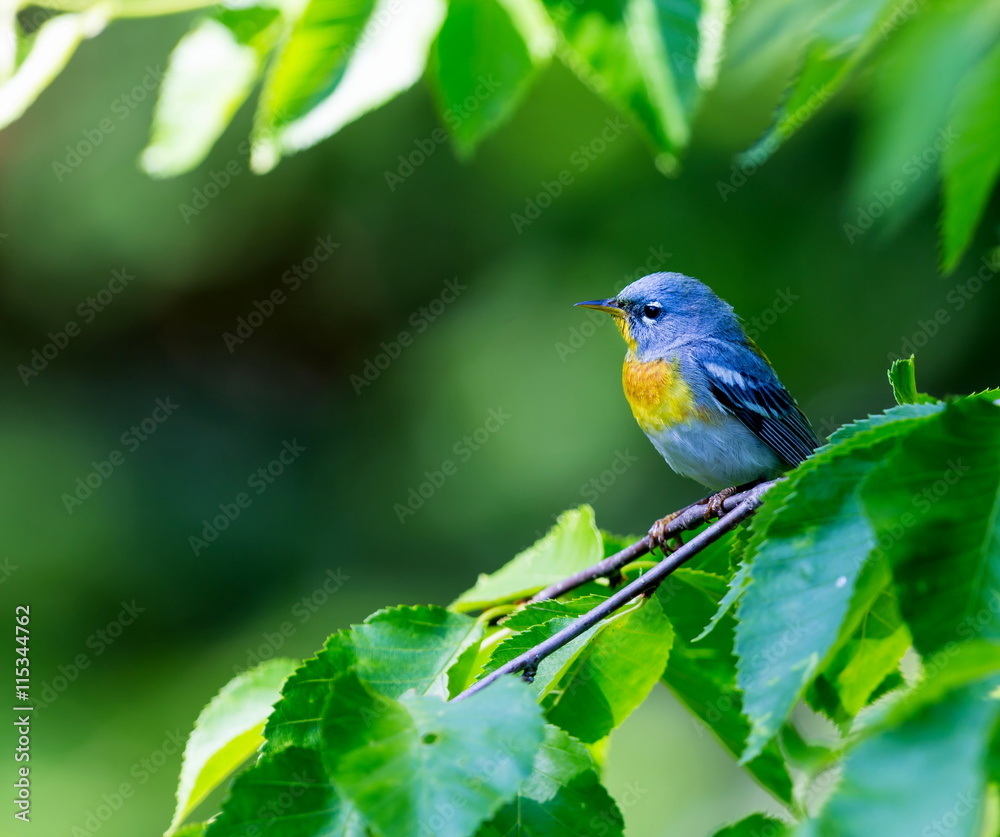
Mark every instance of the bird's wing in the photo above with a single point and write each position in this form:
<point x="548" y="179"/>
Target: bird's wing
<point x="751" y="391"/>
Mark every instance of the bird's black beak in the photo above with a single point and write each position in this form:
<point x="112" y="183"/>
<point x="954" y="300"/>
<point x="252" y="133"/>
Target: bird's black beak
<point x="609" y="306"/>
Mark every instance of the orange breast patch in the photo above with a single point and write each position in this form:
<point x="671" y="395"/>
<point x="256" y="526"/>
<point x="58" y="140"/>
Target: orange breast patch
<point x="657" y="394"/>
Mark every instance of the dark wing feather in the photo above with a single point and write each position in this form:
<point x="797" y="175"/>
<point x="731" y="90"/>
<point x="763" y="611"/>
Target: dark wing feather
<point x="757" y="398"/>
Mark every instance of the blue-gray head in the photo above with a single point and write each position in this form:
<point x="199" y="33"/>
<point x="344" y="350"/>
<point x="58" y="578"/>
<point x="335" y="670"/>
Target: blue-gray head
<point x="664" y="310"/>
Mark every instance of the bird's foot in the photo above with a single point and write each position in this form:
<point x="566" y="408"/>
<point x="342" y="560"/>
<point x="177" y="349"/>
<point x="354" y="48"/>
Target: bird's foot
<point x="660" y="536"/>
<point x="713" y="504"/>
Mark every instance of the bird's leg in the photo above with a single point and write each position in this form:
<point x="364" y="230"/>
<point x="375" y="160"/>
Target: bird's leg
<point x="714" y="508"/>
<point x="660" y="535"/>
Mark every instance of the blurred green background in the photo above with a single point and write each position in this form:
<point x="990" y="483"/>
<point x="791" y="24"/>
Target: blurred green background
<point x="510" y="341"/>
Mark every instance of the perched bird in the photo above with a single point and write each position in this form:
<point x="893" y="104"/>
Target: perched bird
<point x="701" y="390"/>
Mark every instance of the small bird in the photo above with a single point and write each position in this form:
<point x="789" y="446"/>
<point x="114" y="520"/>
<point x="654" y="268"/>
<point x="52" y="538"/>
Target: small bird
<point x="701" y="390"/>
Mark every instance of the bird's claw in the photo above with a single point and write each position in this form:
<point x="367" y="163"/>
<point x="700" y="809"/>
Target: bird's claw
<point x="714" y="504"/>
<point x="660" y="535"/>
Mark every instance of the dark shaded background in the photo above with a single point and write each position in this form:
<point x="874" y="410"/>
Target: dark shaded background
<point x="506" y="343"/>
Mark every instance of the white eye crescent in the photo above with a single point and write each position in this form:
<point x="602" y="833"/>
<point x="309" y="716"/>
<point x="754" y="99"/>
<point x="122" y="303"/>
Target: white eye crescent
<point x="652" y="311"/>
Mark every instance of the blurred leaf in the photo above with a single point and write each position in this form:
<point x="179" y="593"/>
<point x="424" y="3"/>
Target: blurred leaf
<point x="903" y="378"/>
<point x="342" y="59"/>
<point x="211" y="72"/>
<point x="420" y="762"/>
<point x="644" y="58"/>
<point x="50" y="49"/>
<point x="970" y="166"/>
<point x="840" y="38"/>
<point x="756" y="825"/>
<point x="702" y="674"/>
<point x="926" y="775"/>
<point x="963" y="665"/>
<point x="563" y="796"/>
<point x="934" y="502"/>
<point x="228" y="731"/>
<point x="810" y="540"/>
<point x="613" y="673"/>
<point x="394" y="650"/>
<point x="574" y="543"/>
<point x="193" y="830"/>
<point x="916" y="81"/>
<point x="482" y="68"/>
<point x="286" y="794"/>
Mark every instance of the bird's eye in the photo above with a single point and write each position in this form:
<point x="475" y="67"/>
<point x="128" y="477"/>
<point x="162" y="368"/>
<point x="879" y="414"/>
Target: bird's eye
<point x="651" y="312"/>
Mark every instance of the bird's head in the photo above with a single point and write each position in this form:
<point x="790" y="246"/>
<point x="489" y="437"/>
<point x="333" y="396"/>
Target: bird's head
<point x="663" y="310"/>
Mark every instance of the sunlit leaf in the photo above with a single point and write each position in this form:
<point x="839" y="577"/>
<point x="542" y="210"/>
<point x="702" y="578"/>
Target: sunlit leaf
<point x="481" y="68"/>
<point x="971" y="164"/>
<point x="343" y="58"/>
<point x="649" y="59"/>
<point x="228" y="731"/>
<point x="211" y="72"/>
<point x="51" y="48"/>
<point x="574" y="543"/>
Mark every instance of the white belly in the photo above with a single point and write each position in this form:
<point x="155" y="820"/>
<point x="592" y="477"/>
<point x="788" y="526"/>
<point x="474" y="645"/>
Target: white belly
<point x="717" y="455"/>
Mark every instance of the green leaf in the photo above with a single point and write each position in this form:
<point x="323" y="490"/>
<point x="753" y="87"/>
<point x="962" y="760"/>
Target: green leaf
<point x="563" y="796"/>
<point x="648" y="59"/>
<point x="286" y="794"/>
<point x="970" y="165"/>
<point x="935" y="502"/>
<point x="810" y="540"/>
<point x="538" y="613"/>
<point x="211" y="72"/>
<point x="419" y="764"/>
<point x="871" y="654"/>
<point x="574" y="543"/>
<point x="228" y="732"/>
<point x="394" y="650"/>
<point x="701" y="672"/>
<point x="903" y="378"/>
<point x="756" y="825"/>
<point x="342" y="59"/>
<point x="925" y="776"/>
<point x="840" y="38"/>
<point x="481" y="69"/>
<point x="916" y="81"/>
<point x="613" y="672"/>
<point x="51" y="48"/>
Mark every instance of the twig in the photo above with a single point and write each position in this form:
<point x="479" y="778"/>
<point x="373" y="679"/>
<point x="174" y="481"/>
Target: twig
<point x="529" y="660"/>
<point x="688" y="518"/>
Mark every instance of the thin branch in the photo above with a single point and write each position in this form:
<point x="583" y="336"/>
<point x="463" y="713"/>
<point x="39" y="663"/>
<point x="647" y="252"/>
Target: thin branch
<point x="529" y="660"/>
<point x="688" y="518"/>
